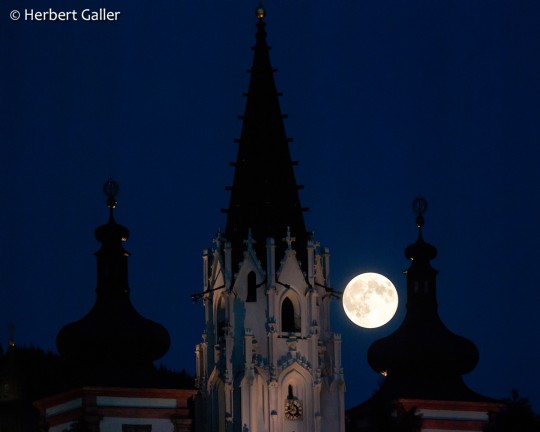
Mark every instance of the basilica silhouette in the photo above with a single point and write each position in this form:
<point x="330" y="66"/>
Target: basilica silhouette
<point x="268" y="359"/>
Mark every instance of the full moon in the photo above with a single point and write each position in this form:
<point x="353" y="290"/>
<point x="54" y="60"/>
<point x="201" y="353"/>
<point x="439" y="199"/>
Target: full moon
<point x="370" y="300"/>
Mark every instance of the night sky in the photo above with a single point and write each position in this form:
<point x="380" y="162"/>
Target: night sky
<point x="386" y="100"/>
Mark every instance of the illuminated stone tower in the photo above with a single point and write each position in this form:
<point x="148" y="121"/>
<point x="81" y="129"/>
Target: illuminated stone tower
<point x="268" y="360"/>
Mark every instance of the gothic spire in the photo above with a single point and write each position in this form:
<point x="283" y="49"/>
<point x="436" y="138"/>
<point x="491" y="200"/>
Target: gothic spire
<point x="264" y="195"/>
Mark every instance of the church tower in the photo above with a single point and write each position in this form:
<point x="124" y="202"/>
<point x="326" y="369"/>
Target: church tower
<point x="113" y="345"/>
<point x="107" y="379"/>
<point x="423" y="362"/>
<point x="268" y="361"/>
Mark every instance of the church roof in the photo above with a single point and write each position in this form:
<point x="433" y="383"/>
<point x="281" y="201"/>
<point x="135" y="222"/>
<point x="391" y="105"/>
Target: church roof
<point x="264" y="195"/>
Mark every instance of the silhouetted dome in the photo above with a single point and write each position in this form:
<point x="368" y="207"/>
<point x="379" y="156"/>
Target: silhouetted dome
<point x="420" y="251"/>
<point x="111" y="233"/>
<point x="423" y="346"/>
<point x="422" y="359"/>
<point x="113" y="334"/>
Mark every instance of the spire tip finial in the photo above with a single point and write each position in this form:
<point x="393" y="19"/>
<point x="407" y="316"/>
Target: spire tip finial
<point x="249" y="242"/>
<point x="420" y="206"/>
<point x="288" y="239"/>
<point x="260" y="12"/>
<point x="111" y="188"/>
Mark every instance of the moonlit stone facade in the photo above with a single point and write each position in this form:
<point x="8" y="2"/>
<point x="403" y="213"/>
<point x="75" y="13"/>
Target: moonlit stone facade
<point x="256" y="354"/>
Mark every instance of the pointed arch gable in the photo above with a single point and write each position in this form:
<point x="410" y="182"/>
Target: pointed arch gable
<point x="241" y="284"/>
<point x="295" y="381"/>
<point x="217" y="273"/>
<point x="250" y="260"/>
<point x="214" y="380"/>
<point x="255" y="377"/>
<point x="291" y="273"/>
<point x="295" y="367"/>
<point x="263" y="372"/>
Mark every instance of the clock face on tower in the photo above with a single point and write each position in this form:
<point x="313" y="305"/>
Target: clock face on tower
<point x="293" y="409"/>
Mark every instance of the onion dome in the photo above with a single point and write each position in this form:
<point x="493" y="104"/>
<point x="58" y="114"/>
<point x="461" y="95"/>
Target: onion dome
<point x="422" y="359"/>
<point x="113" y="334"/>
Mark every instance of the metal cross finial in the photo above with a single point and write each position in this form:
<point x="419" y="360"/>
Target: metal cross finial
<point x="289" y="239"/>
<point x="260" y="12"/>
<point x="420" y="206"/>
<point x="218" y="240"/>
<point x="314" y="242"/>
<point x="111" y="188"/>
<point x="249" y="242"/>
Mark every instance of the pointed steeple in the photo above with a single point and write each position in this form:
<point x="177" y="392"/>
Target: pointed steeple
<point x="264" y="195"/>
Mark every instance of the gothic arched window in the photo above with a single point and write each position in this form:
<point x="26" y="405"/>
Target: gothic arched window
<point x="220" y="317"/>
<point x="251" y="287"/>
<point x="290" y="320"/>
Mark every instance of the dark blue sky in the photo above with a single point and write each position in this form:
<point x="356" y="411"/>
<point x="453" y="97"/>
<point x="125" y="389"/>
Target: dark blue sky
<point x="386" y="100"/>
